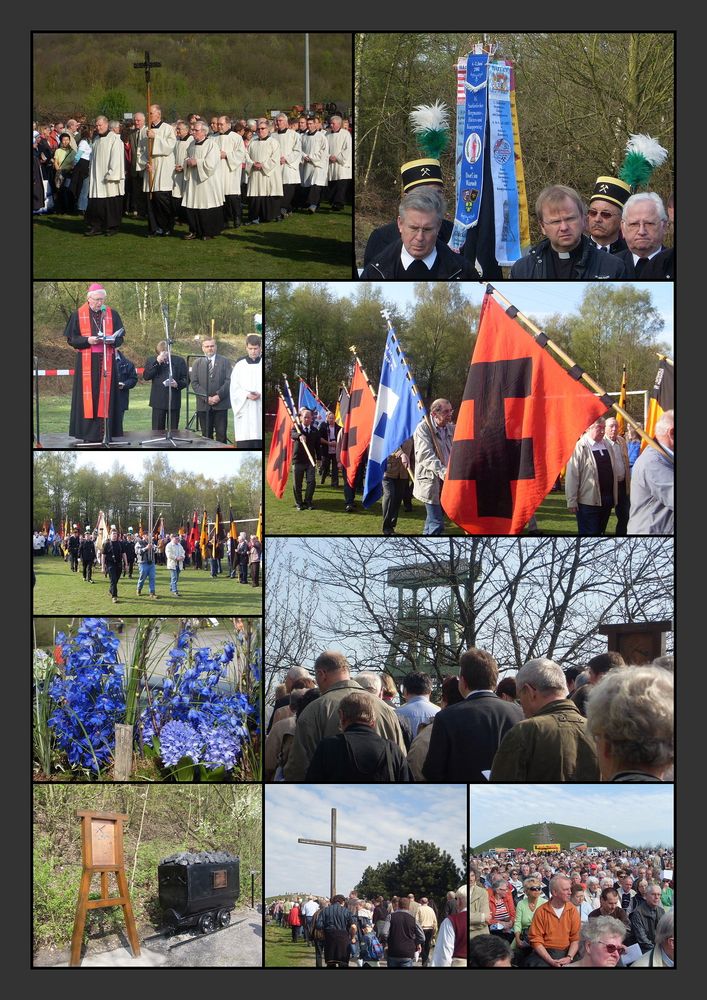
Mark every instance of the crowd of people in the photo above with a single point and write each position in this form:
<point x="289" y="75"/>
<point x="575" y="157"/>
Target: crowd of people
<point x="191" y="172"/>
<point x="599" y="476"/>
<point x="619" y="235"/>
<point x="136" y="556"/>
<point x="97" y="334"/>
<point x="602" y="721"/>
<point x="400" y="932"/>
<point x="572" y="909"/>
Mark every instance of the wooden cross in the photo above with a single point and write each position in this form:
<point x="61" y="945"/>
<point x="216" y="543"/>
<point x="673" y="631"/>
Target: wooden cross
<point x="102" y="852"/>
<point x="150" y="504"/>
<point x="332" y="843"/>
<point x="147" y="66"/>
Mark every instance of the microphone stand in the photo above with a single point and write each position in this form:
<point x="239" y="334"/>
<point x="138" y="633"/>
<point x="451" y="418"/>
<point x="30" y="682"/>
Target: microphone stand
<point x="37" y="441"/>
<point x="168" y="438"/>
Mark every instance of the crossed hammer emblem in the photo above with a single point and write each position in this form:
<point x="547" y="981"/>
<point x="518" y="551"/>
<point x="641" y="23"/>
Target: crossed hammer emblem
<point x="603" y="188"/>
<point x="425" y="172"/>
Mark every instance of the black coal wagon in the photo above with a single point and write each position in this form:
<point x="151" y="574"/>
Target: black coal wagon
<point x="198" y="890"/>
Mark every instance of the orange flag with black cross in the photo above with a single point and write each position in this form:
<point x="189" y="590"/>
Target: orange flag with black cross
<point x="280" y="455"/>
<point x="518" y="423"/>
<point x="358" y="425"/>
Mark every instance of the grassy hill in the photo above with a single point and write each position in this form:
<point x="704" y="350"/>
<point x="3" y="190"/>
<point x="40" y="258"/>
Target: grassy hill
<point x="556" y="833"/>
<point x="234" y="73"/>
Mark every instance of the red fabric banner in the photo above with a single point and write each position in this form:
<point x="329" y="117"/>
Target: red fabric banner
<point x="518" y="423"/>
<point x="280" y="457"/>
<point x="358" y="425"/>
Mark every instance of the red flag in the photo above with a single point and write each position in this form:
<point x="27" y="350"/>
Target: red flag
<point x="280" y="457"/>
<point x="193" y="539"/>
<point x="358" y="425"/>
<point x="518" y="423"/>
<point x="662" y="396"/>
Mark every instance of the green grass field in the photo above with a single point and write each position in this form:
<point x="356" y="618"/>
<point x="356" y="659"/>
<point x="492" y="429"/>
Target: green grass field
<point x="54" y="410"/>
<point x="330" y="518"/>
<point x="59" y="591"/>
<point x="282" y="952"/>
<point x="304" y="246"/>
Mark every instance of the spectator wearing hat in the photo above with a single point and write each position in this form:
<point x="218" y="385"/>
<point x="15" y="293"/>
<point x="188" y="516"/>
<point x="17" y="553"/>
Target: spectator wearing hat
<point x="604" y="214"/>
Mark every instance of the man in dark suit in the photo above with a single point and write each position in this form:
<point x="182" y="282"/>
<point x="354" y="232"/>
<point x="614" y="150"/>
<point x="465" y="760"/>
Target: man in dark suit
<point x="157" y="372"/>
<point x="211" y="382"/>
<point x="127" y="380"/>
<point x="135" y="200"/>
<point x="643" y="224"/>
<point x="466" y="736"/>
<point x="114" y="560"/>
<point x="307" y="439"/>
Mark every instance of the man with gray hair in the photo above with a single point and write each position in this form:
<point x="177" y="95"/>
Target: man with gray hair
<point x="433" y="444"/>
<point x="281" y="707"/>
<point x="106" y="181"/>
<point x="643" y="224"/>
<point x="156" y="157"/>
<point x="264" y="176"/>
<point x="340" y="153"/>
<point x="553" y="742"/>
<point x="645" y="916"/>
<point x="371" y="682"/>
<point x="419" y="254"/>
<point x="662" y="956"/>
<point x="203" y="185"/>
<point x="653" y="483"/>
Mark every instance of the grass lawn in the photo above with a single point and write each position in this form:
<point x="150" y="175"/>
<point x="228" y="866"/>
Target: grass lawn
<point x="54" y="410"/>
<point x="330" y="518"/>
<point x="305" y="246"/>
<point x="282" y="952"/>
<point x="58" y="591"/>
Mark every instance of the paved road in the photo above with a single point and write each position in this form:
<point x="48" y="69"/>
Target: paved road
<point x="239" y="944"/>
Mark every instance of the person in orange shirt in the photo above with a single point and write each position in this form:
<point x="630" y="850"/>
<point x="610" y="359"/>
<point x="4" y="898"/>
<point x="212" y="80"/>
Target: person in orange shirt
<point x="554" y="932"/>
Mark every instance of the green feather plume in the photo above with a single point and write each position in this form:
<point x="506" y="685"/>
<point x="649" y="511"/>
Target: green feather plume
<point x="431" y="124"/>
<point x="643" y="155"/>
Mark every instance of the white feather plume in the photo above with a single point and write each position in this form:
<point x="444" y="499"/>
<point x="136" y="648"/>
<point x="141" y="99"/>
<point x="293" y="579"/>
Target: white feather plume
<point x="650" y="149"/>
<point x="430" y="117"/>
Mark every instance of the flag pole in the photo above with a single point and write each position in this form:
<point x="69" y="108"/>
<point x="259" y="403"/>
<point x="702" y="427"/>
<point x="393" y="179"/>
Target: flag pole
<point x="294" y="417"/>
<point x="416" y="392"/>
<point x="314" y="393"/>
<point x="544" y="341"/>
<point x="363" y="371"/>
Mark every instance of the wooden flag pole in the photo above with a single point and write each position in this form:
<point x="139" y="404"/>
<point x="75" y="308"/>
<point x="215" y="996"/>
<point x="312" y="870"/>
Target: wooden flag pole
<point x="295" y="419"/>
<point x="587" y="379"/>
<point x="363" y="371"/>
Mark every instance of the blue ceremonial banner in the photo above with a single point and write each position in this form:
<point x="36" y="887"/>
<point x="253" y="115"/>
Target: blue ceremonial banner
<point x="398" y="412"/>
<point x="51" y="534"/>
<point x="471" y="133"/>
<point x="308" y="399"/>
<point x="503" y="168"/>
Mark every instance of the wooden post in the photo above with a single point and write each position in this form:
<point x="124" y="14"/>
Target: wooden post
<point x="123" y="758"/>
<point x="102" y="853"/>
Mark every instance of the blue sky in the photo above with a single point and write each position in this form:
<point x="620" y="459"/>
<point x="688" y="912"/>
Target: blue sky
<point x="637" y="815"/>
<point x="381" y="817"/>
<point x="537" y="298"/>
<point x="214" y="464"/>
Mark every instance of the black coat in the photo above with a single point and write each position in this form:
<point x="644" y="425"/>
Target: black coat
<point x="323" y="433"/>
<point x="299" y="455"/>
<point x="591" y="265"/>
<point x="206" y="383"/>
<point x="659" y="268"/>
<point x="383" y="236"/>
<point x="466" y="736"/>
<point x="112" y="554"/>
<point x="357" y="755"/>
<point x="87" y="551"/>
<point x="158" y="373"/>
<point x="126" y="374"/>
<point x="448" y="266"/>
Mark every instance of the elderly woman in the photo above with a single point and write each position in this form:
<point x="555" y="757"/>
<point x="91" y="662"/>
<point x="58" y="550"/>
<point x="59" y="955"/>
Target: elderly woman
<point x="630" y="715"/>
<point x="603" y="940"/>
<point x="479" y="911"/>
<point x="532" y="899"/>
<point x="502" y="907"/>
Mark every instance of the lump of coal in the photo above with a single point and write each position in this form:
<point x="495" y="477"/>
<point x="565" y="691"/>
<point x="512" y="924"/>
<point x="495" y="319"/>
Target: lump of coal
<point x="200" y="858"/>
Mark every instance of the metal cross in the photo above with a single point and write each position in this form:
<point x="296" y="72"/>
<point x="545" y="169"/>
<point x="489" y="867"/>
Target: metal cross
<point x="146" y="65"/>
<point x="334" y="846"/>
<point x="150" y="504"/>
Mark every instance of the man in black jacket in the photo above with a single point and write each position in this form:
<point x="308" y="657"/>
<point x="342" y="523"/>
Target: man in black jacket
<point x="87" y="553"/>
<point x="644" y="225"/>
<point x="114" y="559"/>
<point x="419" y="254"/>
<point x="211" y="382"/>
<point x="604" y="214"/>
<point x="466" y="736"/>
<point x="566" y="253"/>
<point x="306" y="444"/>
<point x="157" y="372"/>
<point x="358" y="753"/>
<point x="127" y="380"/>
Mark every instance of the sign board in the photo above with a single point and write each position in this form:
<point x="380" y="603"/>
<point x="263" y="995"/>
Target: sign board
<point x="103" y="841"/>
<point x="547" y="847"/>
<point x="581" y="846"/>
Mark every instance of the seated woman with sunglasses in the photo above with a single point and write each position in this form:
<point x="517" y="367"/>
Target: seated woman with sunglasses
<point x="525" y="911"/>
<point x="602" y="938"/>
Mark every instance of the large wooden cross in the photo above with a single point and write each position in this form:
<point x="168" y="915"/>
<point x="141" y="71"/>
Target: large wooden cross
<point x="147" y="66"/>
<point x="332" y="843"/>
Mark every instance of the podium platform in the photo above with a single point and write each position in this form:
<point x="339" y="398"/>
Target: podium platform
<point x="132" y="439"/>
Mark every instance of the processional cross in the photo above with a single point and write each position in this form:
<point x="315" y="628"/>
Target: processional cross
<point x="147" y="66"/>
<point x="332" y="843"/>
<point x="150" y="504"/>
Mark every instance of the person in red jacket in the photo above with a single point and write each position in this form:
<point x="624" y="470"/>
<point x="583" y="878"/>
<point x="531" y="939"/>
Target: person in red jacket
<point x="503" y="911"/>
<point x="294" y="919"/>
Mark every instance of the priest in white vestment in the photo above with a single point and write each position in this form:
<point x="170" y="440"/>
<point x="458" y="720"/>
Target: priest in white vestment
<point x="339" y="142"/>
<point x="247" y="396"/>
<point x="290" y="157"/>
<point x="203" y="188"/>
<point x="181" y="147"/>
<point x="158" y="164"/>
<point x="265" y="180"/>
<point x="106" y="181"/>
<point x="233" y="157"/>
<point x="315" y="162"/>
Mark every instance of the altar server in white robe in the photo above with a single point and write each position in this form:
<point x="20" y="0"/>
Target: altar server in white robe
<point x="339" y="142"/>
<point x="246" y="396"/>
<point x="203" y="189"/>
<point x="159" y="172"/>
<point x="265" y="179"/>
<point x="290" y="157"/>
<point x="181" y="148"/>
<point x="233" y="157"/>
<point x="106" y="181"/>
<point x="315" y="162"/>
